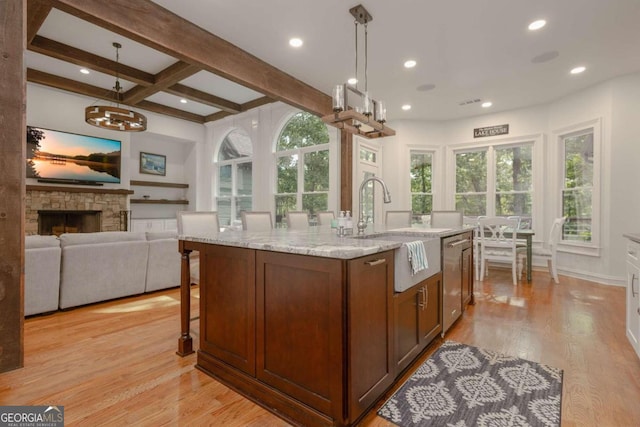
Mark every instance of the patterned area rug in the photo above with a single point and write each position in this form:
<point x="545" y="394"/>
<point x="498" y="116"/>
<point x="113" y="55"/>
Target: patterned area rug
<point x="464" y="386"/>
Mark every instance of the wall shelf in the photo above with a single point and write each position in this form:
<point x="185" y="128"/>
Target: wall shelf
<point x="159" y="184"/>
<point x="160" y="201"/>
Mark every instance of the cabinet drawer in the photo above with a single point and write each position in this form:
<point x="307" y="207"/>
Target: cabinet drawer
<point x="633" y="253"/>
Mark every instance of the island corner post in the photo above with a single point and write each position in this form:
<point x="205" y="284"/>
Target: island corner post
<point x="185" y="342"/>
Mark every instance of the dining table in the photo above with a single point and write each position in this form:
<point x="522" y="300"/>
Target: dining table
<point x="527" y="236"/>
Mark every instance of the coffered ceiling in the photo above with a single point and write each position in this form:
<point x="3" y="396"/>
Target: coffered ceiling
<point x="225" y="57"/>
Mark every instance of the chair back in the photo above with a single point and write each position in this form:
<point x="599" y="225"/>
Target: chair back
<point x="446" y="219"/>
<point x="555" y="233"/>
<point x="397" y="219"/>
<point x="297" y="220"/>
<point x="256" y="221"/>
<point x="498" y="238"/>
<point x="325" y="217"/>
<point x="517" y="218"/>
<point x="194" y="223"/>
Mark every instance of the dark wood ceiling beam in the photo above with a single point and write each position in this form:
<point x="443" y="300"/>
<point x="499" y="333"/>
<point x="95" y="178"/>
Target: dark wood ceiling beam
<point x="152" y="25"/>
<point x="204" y="98"/>
<point x="79" y="57"/>
<point x="244" y="107"/>
<point x="165" y="78"/>
<point x="46" y="79"/>
<point x="37" y="12"/>
<point x="170" y="111"/>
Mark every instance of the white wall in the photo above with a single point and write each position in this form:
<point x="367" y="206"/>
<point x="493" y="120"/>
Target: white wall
<point x="616" y="106"/>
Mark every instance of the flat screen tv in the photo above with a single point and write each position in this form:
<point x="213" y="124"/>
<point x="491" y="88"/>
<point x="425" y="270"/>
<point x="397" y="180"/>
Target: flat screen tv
<point x="56" y="156"/>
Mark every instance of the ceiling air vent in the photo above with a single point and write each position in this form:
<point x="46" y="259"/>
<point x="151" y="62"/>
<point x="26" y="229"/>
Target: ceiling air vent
<point x="469" y="101"/>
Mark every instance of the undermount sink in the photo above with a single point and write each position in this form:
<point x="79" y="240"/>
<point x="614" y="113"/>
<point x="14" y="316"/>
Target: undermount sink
<point x="403" y="279"/>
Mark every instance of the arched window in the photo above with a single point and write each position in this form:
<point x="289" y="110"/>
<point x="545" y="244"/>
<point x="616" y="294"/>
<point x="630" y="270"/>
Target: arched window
<point x="302" y="166"/>
<point x="234" y="176"/>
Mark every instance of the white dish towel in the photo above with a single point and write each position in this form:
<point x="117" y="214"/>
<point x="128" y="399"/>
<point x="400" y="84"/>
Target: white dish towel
<point x="417" y="256"/>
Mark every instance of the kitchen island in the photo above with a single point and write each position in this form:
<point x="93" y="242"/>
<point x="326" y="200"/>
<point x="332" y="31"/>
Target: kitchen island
<point x="304" y="323"/>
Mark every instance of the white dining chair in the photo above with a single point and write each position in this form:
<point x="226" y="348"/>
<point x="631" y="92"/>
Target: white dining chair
<point x="256" y="221"/>
<point x="446" y="219"/>
<point x="550" y="253"/>
<point x="397" y="219"/>
<point x="325" y="218"/>
<point x="472" y="221"/>
<point x="297" y="220"/>
<point x="498" y="243"/>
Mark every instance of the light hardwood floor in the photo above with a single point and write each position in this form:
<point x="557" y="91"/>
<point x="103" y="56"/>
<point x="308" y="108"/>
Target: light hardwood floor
<point x="114" y="364"/>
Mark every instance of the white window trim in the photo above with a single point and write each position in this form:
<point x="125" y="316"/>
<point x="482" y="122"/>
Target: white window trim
<point x="592" y="248"/>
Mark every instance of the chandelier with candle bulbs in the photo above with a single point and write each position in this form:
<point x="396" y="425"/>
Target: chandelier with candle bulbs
<point x="354" y="110"/>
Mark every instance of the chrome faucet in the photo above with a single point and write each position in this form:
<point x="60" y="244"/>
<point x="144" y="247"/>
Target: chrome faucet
<point x="387" y="199"/>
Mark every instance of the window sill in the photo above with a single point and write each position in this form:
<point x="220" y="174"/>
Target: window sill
<point x="579" y="249"/>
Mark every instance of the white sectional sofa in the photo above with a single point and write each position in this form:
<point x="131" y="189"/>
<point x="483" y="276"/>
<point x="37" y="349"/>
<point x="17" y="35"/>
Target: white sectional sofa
<point x="163" y="266"/>
<point x="83" y="268"/>
<point x="42" y="274"/>
<point x="102" y="266"/>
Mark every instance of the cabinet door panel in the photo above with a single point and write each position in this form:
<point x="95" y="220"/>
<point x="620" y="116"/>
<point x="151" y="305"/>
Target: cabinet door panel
<point x="431" y="309"/>
<point x="227" y="326"/>
<point x="299" y="327"/>
<point x="407" y="326"/>
<point x="371" y="365"/>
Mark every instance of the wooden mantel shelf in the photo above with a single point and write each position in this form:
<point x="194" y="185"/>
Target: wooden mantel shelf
<point x="160" y="201"/>
<point x="84" y="189"/>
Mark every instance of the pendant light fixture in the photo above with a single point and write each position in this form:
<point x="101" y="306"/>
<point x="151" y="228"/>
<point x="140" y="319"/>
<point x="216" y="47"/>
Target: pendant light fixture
<point x="366" y="117"/>
<point x="115" y="118"/>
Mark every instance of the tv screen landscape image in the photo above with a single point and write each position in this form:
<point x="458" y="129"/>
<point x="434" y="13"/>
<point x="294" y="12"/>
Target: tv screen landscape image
<point x="70" y="157"/>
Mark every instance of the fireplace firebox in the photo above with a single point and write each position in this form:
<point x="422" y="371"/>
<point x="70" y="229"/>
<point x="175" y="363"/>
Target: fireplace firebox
<point x="58" y="222"/>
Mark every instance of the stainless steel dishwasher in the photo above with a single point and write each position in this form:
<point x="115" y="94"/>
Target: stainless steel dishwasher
<point x="452" y="248"/>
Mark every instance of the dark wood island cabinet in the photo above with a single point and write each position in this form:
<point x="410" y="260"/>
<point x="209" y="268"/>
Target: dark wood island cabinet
<point x="309" y="338"/>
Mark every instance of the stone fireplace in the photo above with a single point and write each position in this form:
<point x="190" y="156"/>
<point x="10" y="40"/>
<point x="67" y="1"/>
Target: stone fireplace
<point x="101" y="209"/>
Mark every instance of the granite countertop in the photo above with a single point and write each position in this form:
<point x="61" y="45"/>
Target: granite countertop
<point x="632" y="236"/>
<point x="320" y="241"/>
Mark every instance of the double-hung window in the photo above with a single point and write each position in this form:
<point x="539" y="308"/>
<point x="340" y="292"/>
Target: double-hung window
<point x="302" y="166"/>
<point x="235" y="169"/>
<point x="496" y="180"/>
<point x="421" y="182"/>
<point x="578" y="185"/>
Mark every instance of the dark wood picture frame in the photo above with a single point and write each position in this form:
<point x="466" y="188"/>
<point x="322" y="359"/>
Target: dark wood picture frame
<point x="153" y="164"/>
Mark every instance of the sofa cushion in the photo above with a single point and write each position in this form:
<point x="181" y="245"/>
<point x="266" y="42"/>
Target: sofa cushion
<point x="71" y="239"/>
<point x="36" y="241"/>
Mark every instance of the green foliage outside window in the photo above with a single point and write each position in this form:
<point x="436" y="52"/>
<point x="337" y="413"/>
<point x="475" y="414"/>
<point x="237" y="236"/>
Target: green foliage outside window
<point x="421" y="177"/>
<point x="577" y="194"/>
<point x="302" y="131"/>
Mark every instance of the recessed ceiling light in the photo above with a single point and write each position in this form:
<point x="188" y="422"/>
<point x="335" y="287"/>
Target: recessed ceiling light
<point x="410" y="63"/>
<point x="184" y="101"/>
<point x="295" y="42"/>
<point x="84" y="71"/>
<point x="406" y="107"/>
<point x="536" y="25"/>
<point x="487" y="104"/>
<point x="578" y="70"/>
<point x="352" y="81"/>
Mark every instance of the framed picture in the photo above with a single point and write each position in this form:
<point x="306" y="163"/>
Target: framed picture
<point x="153" y="164"/>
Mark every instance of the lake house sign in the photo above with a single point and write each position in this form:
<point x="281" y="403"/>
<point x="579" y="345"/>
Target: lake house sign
<point x="491" y="131"/>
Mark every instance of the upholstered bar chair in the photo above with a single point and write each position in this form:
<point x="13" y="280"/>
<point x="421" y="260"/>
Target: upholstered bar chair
<point x="256" y="221"/>
<point x="193" y="223"/>
<point x="324" y="218"/>
<point x="446" y="219"/>
<point x="297" y="220"/>
<point x="197" y="223"/>
<point x="397" y="219"/>
<point x="498" y="243"/>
